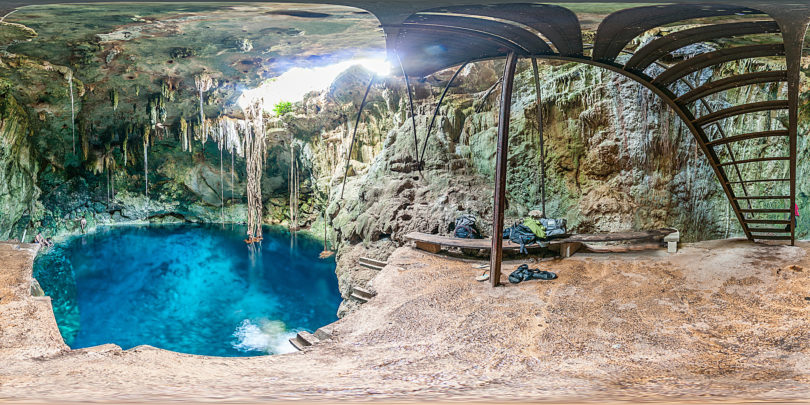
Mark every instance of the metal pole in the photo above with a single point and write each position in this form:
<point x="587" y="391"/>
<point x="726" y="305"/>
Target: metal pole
<point x="354" y="133"/>
<point x="501" y="158"/>
<point x="540" y="130"/>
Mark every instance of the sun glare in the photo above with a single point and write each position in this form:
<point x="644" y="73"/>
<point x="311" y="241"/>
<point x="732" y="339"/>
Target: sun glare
<point x="292" y="85"/>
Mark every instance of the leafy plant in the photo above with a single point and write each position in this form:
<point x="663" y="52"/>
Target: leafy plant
<point x="282" y="108"/>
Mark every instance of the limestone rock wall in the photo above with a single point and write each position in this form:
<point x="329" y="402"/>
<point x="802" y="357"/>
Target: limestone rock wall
<point x="616" y="159"/>
<point x="18" y="167"/>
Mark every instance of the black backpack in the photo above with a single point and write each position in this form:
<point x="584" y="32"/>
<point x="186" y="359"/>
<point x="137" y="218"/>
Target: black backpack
<point x="465" y="227"/>
<point x="520" y="234"/>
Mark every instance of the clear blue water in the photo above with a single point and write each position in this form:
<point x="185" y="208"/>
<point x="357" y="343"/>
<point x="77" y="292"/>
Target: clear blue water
<point x="189" y="288"/>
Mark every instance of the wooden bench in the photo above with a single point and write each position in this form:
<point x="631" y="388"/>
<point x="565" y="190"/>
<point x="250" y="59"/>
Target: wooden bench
<point x="567" y="245"/>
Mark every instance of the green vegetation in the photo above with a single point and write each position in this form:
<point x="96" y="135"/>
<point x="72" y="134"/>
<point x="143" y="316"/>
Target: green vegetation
<point x="283" y="107"/>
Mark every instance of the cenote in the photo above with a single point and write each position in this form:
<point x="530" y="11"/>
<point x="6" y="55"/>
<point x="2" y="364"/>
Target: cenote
<point x="189" y="288"/>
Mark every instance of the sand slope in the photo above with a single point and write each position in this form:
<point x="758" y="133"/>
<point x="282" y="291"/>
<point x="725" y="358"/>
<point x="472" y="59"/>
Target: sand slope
<point x="717" y="320"/>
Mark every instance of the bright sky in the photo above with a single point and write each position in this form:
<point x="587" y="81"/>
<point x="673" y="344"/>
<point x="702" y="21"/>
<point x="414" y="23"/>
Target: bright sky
<point x="293" y="84"/>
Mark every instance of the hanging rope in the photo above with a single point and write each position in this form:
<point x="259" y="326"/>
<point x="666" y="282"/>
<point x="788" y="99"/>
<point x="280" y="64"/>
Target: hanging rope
<point x="354" y="133"/>
<point x="436" y="112"/>
<point x="540" y="130"/>
<point x="413" y="117"/>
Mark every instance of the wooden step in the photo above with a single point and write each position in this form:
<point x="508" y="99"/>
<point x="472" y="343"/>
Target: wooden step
<point x="761" y="230"/>
<point x="371" y="263"/>
<point x="758" y="181"/>
<point x="763" y="159"/>
<point x="772" y="237"/>
<point x="764" y="197"/>
<point x="766" y="210"/>
<point x="766" y="221"/>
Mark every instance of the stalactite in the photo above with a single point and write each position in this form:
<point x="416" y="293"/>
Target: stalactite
<point x="203" y="84"/>
<point x="72" y="113"/>
<point x="146" y="133"/>
<point x="255" y="153"/>
<point x="232" y="182"/>
<point x="114" y="99"/>
<point x="185" y="143"/>
<point x="85" y="137"/>
<point x="221" y="176"/>
<point x="293" y="188"/>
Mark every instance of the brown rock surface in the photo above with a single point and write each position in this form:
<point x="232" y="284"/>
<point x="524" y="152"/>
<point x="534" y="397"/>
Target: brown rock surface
<point x="718" y="320"/>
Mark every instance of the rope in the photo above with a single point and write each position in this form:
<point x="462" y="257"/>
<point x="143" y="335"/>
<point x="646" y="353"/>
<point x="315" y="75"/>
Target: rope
<point x="436" y="112"/>
<point x="540" y="130"/>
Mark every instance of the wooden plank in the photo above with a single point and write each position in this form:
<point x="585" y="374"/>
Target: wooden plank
<point x="428" y="241"/>
<point x="620" y="236"/>
<point x="428" y="246"/>
<point x="766" y="221"/>
<point x="569" y="248"/>
<point x="773" y="237"/>
<point x="764" y="197"/>
<point x="761" y="230"/>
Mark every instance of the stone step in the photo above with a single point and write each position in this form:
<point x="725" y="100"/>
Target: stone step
<point x="371" y="263"/>
<point x="358" y="298"/>
<point x="307" y="337"/>
<point x="297" y="343"/>
<point x="303" y="339"/>
<point x="363" y="292"/>
<point x="324" y="332"/>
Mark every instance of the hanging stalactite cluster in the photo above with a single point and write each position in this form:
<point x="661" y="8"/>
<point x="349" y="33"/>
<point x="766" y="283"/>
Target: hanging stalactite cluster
<point x="242" y="137"/>
<point x="255" y="153"/>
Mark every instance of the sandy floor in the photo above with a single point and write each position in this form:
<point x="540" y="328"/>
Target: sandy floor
<point x="718" y="320"/>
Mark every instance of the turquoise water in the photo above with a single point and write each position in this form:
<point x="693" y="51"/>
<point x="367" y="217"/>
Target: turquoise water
<point x="189" y="288"/>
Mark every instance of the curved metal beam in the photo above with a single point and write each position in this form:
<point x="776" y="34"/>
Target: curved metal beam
<point x="741" y="109"/>
<point x="559" y="24"/>
<point x="507" y="32"/>
<point x="619" y="28"/>
<point x="473" y="33"/>
<point x="745" y="137"/>
<point x="661" y="47"/>
<point x="730" y="83"/>
<point x="707" y="59"/>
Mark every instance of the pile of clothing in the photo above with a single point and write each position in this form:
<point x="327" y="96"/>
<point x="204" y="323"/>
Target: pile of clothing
<point x="524" y="273"/>
<point x="535" y="229"/>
